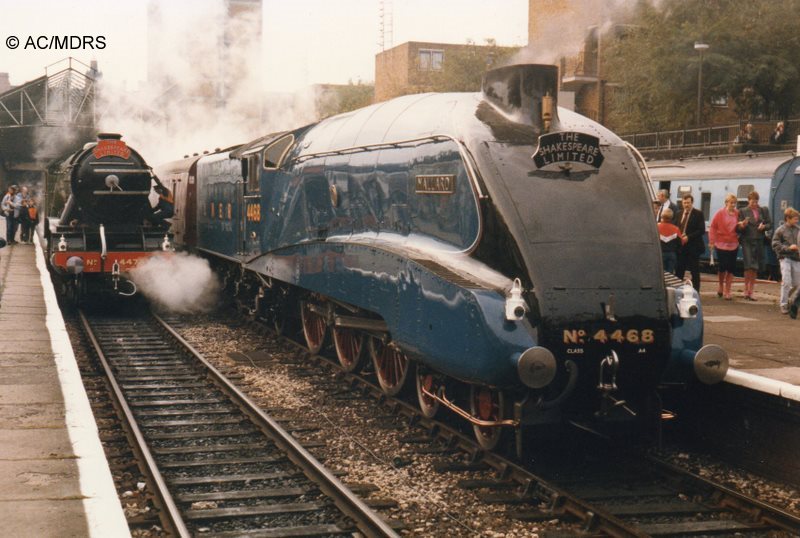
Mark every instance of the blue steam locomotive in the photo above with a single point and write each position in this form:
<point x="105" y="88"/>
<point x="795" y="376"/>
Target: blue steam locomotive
<point x="499" y="252"/>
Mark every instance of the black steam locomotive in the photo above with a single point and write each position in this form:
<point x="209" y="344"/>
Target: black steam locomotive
<point x="498" y="251"/>
<point x="97" y="206"/>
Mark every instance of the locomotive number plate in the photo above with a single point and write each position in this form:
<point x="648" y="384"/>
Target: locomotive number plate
<point x="439" y="184"/>
<point x="573" y="337"/>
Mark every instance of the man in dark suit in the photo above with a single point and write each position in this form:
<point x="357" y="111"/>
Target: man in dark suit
<point x="692" y="225"/>
<point x="662" y="198"/>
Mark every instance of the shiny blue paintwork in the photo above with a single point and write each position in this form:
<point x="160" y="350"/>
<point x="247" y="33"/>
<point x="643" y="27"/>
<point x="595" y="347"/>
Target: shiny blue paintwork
<point x="343" y="217"/>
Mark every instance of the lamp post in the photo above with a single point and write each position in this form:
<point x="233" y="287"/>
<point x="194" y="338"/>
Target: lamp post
<point x="701" y="48"/>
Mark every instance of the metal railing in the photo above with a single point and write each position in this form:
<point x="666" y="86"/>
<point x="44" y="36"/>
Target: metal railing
<point x="63" y="96"/>
<point x="713" y="136"/>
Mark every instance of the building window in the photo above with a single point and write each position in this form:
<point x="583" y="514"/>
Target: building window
<point x="430" y="60"/>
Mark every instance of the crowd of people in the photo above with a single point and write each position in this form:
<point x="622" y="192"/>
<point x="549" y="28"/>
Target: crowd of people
<point x="749" y="228"/>
<point x="19" y="209"/>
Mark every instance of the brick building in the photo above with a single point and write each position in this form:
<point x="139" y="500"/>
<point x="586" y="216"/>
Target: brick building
<point x="416" y="67"/>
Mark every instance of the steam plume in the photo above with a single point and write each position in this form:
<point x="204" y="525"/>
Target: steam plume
<point x="178" y="282"/>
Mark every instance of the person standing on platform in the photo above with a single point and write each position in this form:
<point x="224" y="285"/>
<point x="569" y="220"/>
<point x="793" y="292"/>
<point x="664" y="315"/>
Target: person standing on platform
<point x="7" y="207"/>
<point x="753" y="227"/>
<point x="18" y="212"/>
<point x="26" y="224"/>
<point x="663" y="199"/>
<point x="670" y="238"/>
<point x="778" y="135"/>
<point x="723" y="238"/>
<point x="692" y="225"/>
<point x="785" y="244"/>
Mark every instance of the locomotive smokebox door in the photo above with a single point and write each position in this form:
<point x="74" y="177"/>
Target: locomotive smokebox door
<point x="526" y="93"/>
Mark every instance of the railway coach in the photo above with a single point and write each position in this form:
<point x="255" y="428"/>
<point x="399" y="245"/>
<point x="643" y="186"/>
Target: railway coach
<point x="709" y="179"/>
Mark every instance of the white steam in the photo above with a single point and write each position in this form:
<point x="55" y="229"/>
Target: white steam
<point x="563" y="30"/>
<point x="177" y="282"/>
<point x="205" y="87"/>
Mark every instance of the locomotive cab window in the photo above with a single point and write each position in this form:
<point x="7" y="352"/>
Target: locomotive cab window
<point x="276" y="152"/>
<point x="253" y="184"/>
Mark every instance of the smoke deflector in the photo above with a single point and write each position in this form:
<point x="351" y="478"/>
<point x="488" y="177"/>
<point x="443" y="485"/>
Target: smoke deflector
<point x="526" y="93"/>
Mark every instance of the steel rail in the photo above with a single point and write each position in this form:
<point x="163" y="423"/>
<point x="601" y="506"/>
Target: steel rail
<point x="367" y="521"/>
<point x="596" y="520"/>
<point x="759" y="510"/>
<point x="171" y="509"/>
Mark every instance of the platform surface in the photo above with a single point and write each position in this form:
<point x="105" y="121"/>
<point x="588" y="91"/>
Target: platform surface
<point x="54" y="478"/>
<point x="759" y="339"/>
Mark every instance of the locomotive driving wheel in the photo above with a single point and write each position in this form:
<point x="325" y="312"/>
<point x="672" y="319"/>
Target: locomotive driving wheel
<point x="349" y="345"/>
<point x="429" y="406"/>
<point x="315" y="327"/>
<point x="391" y="366"/>
<point x="487" y="404"/>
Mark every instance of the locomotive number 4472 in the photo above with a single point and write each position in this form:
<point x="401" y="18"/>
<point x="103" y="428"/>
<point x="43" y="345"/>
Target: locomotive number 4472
<point x="631" y="336"/>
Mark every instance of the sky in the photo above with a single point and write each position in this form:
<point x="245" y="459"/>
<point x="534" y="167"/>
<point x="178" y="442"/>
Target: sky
<point x="304" y="41"/>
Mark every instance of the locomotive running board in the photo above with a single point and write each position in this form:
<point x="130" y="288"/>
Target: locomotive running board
<point x="364" y="324"/>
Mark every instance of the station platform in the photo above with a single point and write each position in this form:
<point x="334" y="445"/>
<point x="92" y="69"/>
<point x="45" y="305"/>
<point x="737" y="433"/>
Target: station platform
<point x="54" y="477"/>
<point x="762" y="343"/>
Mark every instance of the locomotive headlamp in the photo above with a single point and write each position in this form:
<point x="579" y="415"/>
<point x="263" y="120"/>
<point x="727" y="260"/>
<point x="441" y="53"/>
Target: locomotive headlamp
<point x="62" y="244"/>
<point x="688" y="306"/>
<point x="166" y="245"/>
<point x="515" y="304"/>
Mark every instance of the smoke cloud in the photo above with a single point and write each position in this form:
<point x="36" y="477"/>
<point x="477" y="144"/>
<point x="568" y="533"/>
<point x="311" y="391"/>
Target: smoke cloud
<point x="204" y="88"/>
<point x="566" y="30"/>
<point x="177" y="282"/>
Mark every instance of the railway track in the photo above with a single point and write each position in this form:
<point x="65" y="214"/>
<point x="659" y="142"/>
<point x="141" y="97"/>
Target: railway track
<point x="218" y="465"/>
<point x="650" y="498"/>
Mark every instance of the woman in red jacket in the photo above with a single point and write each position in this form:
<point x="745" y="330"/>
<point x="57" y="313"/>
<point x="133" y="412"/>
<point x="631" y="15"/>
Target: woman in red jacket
<point x="723" y="238"/>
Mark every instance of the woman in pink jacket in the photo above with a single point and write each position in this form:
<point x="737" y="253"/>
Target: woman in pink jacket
<point x="723" y="238"/>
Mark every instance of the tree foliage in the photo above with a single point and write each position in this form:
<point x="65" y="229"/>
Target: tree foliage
<point x="463" y="68"/>
<point x="751" y="60"/>
<point x="336" y="99"/>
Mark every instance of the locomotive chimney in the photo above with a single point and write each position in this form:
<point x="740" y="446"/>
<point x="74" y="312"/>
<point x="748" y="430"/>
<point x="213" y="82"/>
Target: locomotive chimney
<point x="526" y="93"/>
<point x="109" y="136"/>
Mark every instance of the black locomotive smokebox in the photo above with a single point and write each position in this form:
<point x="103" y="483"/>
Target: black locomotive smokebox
<point x="525" y="93"/>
